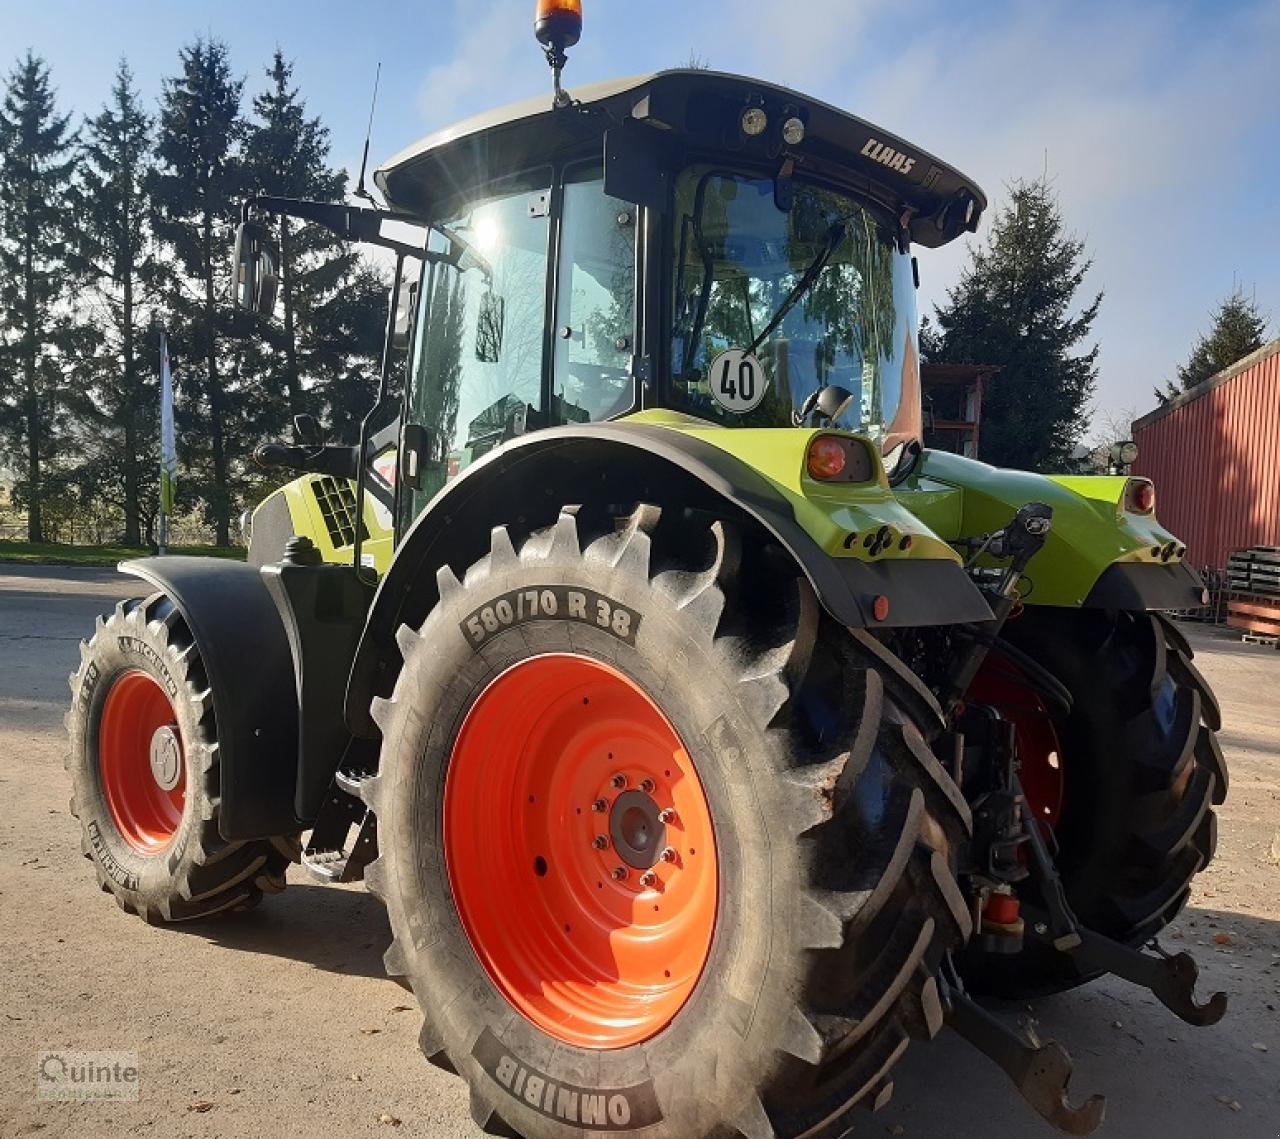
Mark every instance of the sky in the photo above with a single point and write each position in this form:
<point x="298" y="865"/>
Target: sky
<point x="1159" y="123"/>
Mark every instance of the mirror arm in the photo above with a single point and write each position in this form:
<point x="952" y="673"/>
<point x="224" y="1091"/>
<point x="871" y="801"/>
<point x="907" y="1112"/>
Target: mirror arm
<point x="352" y="223"/>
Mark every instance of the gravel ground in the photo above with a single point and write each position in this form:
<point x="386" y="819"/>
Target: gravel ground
<point x="280" y="1022"/>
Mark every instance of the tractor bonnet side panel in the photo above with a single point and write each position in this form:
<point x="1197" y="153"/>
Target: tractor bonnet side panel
<point x="322" y="508"/>
<point x="1098" y="553"/>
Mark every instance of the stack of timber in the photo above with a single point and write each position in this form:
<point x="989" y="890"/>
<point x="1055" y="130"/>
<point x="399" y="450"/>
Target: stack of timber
<point x="1254" y="580"/>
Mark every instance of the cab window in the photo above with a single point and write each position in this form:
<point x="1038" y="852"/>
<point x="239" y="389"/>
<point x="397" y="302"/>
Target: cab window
<point x="595" y="303"/>
<point x="477" y="368"/>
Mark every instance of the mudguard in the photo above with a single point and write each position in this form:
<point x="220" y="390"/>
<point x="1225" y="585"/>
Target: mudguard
<point x="241" y="640"/>
<point x="525" y="483"/>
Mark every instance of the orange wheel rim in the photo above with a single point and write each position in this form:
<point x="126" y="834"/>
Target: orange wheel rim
<point x="140" y="762"/>
<point x="580" y="851"/>
<point x="1002" y="685"/>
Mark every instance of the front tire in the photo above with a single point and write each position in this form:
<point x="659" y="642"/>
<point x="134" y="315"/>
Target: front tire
<point x="144" y="771"/>
<point x="802" y="757"/>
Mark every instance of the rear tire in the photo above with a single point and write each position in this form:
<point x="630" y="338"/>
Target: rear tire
<point x="159" y="853"/>
<point x="1142" y="769"/>
<point x="835" y="832"/>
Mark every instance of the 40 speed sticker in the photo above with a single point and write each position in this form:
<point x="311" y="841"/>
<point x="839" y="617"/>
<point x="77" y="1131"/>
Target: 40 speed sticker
<point x="550" y="603"/>
<point x="737" y="380"/>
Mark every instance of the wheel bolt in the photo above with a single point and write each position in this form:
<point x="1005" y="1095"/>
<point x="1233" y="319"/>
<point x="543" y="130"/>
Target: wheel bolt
<point x="669" y="854"/>
<point x="647" y="786"/>
<point x="600" y="842"/>
<point x="619" y="781"/>
<point x="600" y="806"/>
<point x="648" y="879"/>
<point x="667" y="816"/>
<point x="619" y="873"/>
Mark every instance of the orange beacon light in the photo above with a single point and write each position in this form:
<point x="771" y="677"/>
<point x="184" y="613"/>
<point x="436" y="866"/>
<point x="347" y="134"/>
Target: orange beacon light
<point x="558" y="23"/>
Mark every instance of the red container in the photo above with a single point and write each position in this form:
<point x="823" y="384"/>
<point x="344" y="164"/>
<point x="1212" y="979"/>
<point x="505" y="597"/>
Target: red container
<point x="1214" y="455"/>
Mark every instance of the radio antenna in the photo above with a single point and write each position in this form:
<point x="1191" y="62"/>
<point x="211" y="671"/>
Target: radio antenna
<point x="360" y="191"/>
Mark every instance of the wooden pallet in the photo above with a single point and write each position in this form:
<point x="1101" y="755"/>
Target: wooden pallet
<point x="1255" y="639"/>
<point x="1254" y="614"/>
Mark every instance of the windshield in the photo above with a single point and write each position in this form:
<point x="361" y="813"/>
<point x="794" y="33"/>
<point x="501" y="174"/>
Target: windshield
<point x="770" y="305"/>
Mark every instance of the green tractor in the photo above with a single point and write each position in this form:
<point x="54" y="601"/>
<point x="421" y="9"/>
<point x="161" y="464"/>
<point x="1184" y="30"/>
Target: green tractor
<point x="707" y="738"/>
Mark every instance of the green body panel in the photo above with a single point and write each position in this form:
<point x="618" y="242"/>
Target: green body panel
<point x="1092" y="530"/>
<point x="947" y="499"/>
<point x="838" y="516"/>
<point x="308" y="521"/>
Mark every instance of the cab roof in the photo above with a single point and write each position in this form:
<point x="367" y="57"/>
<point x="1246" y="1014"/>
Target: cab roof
<point x="697" y="110"/>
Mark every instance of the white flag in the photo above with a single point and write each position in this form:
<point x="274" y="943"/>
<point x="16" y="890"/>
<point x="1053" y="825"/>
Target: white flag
<point x="168" y="446"/>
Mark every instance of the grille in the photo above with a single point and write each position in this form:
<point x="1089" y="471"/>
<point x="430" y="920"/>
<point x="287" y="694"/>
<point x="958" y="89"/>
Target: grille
<point x="337" y="501"/>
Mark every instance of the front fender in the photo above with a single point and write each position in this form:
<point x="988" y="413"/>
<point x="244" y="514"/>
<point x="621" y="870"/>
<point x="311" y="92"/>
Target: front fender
<point x="524" y="483"/>
<point x="242" y="644"/>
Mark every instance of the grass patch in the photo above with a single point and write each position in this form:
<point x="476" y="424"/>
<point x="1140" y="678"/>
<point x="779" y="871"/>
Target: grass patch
<point x="56" y="554"/>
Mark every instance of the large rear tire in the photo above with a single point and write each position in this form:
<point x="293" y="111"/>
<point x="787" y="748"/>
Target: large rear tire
<point x="1141" y="769"/>
<point x="796" y="748"/>
<point x="144" y="772"/>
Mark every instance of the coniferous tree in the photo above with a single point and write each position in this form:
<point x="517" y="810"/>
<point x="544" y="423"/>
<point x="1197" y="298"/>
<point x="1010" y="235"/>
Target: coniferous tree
<point x="197" y="188"/>
<point x="327" y="295"/>
<point x="1238" y="329"/>
<point x="1015" y="306"/>
<point x="37" y="335"/>
<point x="345" y="347"/>
<point x="119" y="271"/>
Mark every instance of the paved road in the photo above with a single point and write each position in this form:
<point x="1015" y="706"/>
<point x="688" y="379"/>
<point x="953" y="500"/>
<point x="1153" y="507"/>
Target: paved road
<point x="281" y="1020"/>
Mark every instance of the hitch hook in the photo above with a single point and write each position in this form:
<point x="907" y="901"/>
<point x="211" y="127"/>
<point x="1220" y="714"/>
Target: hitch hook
<point x="1040" y="1072"/>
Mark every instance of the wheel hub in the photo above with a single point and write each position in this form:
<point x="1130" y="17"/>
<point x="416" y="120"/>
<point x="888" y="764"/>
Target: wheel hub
<point x="166" y="757"/>
<point x="639" y="834"/>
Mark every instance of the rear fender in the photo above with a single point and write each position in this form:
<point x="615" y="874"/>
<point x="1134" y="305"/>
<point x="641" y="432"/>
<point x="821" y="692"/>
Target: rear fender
<point x="524" y="484"/>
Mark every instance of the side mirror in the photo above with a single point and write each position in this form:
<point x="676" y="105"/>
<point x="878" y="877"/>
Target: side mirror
<point x="257" y="275"/>
<point x="308" y="430"/>
<point x="490" y="326"/>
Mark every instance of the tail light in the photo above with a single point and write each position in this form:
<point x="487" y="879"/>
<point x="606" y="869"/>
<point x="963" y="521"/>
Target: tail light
<point x="827" y="458"/>
<point x="1140" y="496"/>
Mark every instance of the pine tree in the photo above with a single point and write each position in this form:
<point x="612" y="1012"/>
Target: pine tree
<point x="36" y="330"/>
<point x="1238" y="329"/>
<point x="1015" y="306"/>
<point x="197" y="187"/>
<point x="119" y="271"/>
<point x="287" y="155"/>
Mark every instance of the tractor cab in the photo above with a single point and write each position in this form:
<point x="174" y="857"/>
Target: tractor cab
<point x="694" y="241"/>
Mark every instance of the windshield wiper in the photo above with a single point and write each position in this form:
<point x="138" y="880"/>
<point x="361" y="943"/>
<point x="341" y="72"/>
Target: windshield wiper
<point x="834" y="236"/>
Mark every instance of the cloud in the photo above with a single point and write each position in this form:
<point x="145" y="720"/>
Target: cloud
<point x="1152" y="121"/>
<point x="490" y="65"/>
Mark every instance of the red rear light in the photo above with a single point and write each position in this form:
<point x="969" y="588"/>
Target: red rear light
<point x="827" y="458"/>
<point x="1140" y="496"/>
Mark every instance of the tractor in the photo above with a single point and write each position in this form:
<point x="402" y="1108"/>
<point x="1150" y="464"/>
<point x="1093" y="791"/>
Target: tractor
<point x="707" y="738"/>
